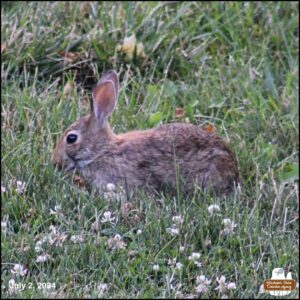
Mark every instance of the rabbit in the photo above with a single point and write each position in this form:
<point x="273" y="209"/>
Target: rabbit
<point x="169" y="156"/>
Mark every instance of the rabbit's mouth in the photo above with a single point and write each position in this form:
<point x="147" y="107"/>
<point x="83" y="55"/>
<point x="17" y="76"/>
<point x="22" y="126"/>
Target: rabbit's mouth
<point x="70" y="167"/>
<point x="66" y="166"/>
<point x="69" y="163"/>
<point x="76" y="164"/>
<point x="80" y="164"/>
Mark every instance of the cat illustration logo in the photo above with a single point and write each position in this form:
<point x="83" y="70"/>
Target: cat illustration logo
<point x="279" y="285"/>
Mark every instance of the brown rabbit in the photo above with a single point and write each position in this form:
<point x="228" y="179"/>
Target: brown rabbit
<point x="158" y="158"/>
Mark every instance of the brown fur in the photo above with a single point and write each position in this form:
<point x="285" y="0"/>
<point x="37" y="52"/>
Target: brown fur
<point x="158" y="158"/>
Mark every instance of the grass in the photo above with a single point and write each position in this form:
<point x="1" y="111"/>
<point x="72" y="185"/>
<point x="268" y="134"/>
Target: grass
<point x="232" y="65"/>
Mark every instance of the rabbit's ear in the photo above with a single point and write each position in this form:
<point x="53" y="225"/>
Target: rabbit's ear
<point x="105" y="96"/>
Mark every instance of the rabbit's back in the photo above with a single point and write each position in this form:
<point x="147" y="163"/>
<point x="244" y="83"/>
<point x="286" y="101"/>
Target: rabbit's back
<point x="174" y="153"/>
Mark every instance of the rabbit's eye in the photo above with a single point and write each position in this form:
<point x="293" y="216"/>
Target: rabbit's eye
<point x="71" y="138"/>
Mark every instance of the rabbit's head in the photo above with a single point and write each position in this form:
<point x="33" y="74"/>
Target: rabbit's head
<point x="82" y="142"/>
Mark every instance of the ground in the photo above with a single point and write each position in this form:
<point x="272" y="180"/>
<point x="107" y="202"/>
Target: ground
<point x="228" y="67"/>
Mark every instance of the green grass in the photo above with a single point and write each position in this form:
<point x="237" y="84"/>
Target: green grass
<point x="233" y="65"/>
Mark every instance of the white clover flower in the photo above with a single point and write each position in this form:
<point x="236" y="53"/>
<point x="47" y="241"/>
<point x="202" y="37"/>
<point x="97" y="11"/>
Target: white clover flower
<point x="56" y="211"/>
<point x="77" y="238"/>
<point x="101" y="288"/>
<point x="172" y="261"/>
<point x="57" y="207"/>
<point x="38" y="247"/>
<point x="3" y="189"/>
<point x="195" y="256"/>
<point x="181" y="249"/>
<point x="43" y="258"/>
<point x="53" y="229"/>
<point x="45" y="238"/>
<point x="19" y="270"/>
<point x="202" y="279"/>
<point x="20" y="187"/>
<point x="179" y="266"/>
<point x="207" y="241"/>
<point x="173" y="231"/>
<point x="226" y="222"/>
<point x="229" y="226"/>
<point x="198" y="264"/>
<point x="110" y="187"/>
<point x="52" y="212"/>
<point x="139" y="232"/>
<point x="223" y="286"/>
<point x="116" y="243"/>
<point x="107" y="217"/>
<point x="177" y="219"/>
<point x="202" y="284"/>
<point x="4" y="223"/>
<point x="55" y="237"/>
<point x="213" y="208"/>
<point x="156" y="268"/>
<point x="112" y="194"/>
<point x="231" y="285"/>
